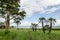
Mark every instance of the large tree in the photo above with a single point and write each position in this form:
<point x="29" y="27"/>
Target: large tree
<point x="42" y="20"/>
<point x="52" y="21"/>
<point x="9" y="9"/>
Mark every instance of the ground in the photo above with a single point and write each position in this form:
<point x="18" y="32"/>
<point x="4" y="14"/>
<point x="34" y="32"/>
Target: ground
<point x="28" y="34"/>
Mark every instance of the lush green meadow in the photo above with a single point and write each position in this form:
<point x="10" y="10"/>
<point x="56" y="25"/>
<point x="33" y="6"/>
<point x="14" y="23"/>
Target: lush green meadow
<point x="28" y="34"/>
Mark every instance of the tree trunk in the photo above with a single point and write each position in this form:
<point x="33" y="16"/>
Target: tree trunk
<point x="33" y="29"/>
<point x="17" y="26"/>
<point x="43" y="27"/>
<point x="7" y="22"/>
<point x="50" y="27"/>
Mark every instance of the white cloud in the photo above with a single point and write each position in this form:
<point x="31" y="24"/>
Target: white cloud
<point x="31" y="6"/>
<point x="28" y="23"/>
<point x="25" y="23"/>
<point x="51" y="10"/>
<point x="57" y="23"/>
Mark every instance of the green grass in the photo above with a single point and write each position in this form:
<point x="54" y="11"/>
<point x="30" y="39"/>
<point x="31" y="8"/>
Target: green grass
<point x="27" y="34"/>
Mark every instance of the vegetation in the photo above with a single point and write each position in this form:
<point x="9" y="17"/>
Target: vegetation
<point x="34" y="26"/>
<point x="52" y="21"/>
<point x="47" y="26"/>
<point x="2" y="25"/>
<point x="28" y="34"/>
<point x="17" y="21"/>
<point x="9" y="9"/>
<point x="42" y="20"/>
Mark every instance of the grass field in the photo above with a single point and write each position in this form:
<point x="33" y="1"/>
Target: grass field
<point x="27" y="34"/>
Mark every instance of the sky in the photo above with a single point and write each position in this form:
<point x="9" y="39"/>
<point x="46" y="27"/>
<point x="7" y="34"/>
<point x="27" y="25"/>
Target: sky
<point x="40" y="8"/>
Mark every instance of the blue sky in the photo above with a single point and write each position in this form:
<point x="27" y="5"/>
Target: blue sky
<point x="40" y="8"/>
<point x="34" y="18"/>
<point x="37" y="15"/>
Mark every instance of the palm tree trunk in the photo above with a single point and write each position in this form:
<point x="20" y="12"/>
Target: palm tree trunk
<point x="7" y="22"/>
<point x="35" y="28"/>
<point x="50" y="27"/>
<point x="43" y="27"/>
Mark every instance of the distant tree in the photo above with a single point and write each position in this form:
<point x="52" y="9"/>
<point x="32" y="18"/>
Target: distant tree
<point x="46" y="24"/>
<point x="52" y="21"/>
<point x="2" y="25"/>
<point x="46" y="27"/>
<point x="9" y="9"/>
<point x="12" y="27"/>
<point x="17" y="21"/>
<point x="34" y="26"/>
<point x="42" y="20"/>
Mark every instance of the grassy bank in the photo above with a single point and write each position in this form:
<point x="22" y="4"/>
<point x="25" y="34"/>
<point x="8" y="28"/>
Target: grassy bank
<point x="27" y="34"/>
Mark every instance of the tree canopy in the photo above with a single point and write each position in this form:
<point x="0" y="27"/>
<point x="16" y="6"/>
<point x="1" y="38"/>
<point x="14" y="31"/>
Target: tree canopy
<point x="10" y="9"/>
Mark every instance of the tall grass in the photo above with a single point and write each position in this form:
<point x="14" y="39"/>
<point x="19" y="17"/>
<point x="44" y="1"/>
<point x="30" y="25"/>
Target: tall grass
<point x="28" y="34"/>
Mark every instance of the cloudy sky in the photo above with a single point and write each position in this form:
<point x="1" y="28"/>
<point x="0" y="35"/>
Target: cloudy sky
<point x="40" y="8"/>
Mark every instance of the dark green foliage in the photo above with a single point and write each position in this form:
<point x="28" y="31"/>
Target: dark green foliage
<point x="2" y="25"/>
<point x="11" y="6"/>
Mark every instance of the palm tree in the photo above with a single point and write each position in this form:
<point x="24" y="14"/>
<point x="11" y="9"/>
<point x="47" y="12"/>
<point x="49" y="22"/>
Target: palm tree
<point x="42" y="20"/>
<point x="51" y="20"/>
<point x="34" y="26"/>
<point x="46" y="24"/>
